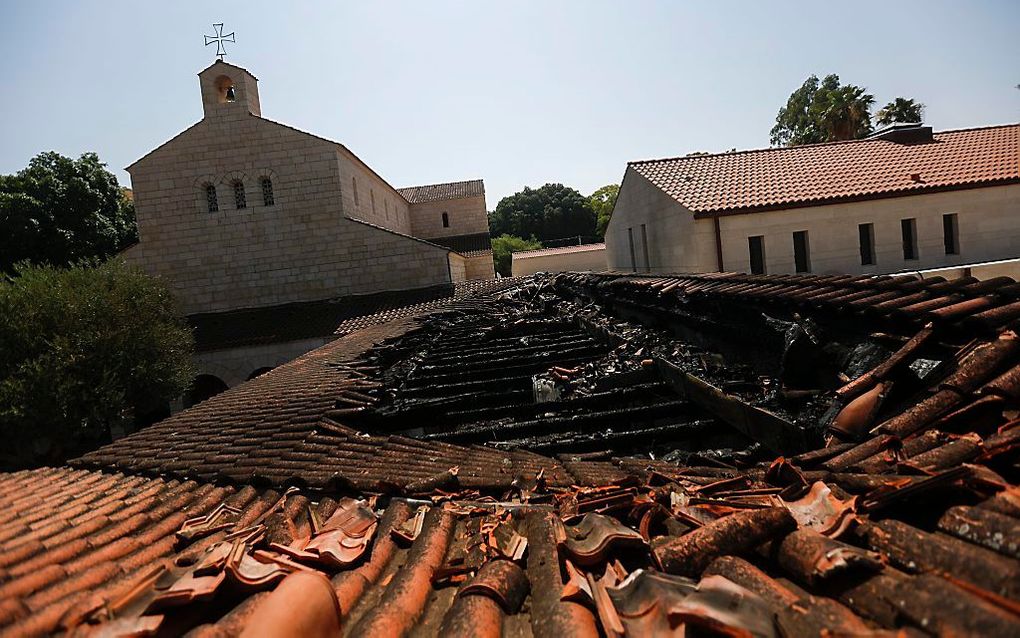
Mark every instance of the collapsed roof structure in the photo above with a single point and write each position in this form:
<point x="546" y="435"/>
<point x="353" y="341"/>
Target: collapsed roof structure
<point x="578" y="454"/>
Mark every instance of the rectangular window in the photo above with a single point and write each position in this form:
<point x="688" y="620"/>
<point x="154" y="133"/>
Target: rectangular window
<point x="801" y="251"/>
<point x="644" y="247"/>
<point x="756" y="247"/>
<point x="951" y="234"/>
<point x="908" y="228"/>
<point x="867" y="235"/>
<point x="630" y="240"/>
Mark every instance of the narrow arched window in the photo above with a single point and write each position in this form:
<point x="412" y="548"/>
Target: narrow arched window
<point x="446" y="220"/>
<point x="210" y="198"/>
<point x="239" y="198"/>
<point x="354" y="180"/>
<point x="267" y="192"/>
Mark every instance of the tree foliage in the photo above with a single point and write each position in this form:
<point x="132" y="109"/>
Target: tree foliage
<point x="83" y="350"/>
<point x="901" y="109"/>
<point x="504" y="245"/>
<point x="602" y="202"/>
<point x="60" y="210"/>
<point x="823" y="111"/>
<point x="553" y="211"/>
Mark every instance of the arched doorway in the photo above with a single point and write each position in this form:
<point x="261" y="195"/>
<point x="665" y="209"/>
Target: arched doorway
<point x="259" y="372"/>
<point x="203" y="387"/>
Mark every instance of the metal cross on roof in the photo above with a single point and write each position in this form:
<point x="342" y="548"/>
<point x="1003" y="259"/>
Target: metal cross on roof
<point x="219" y="39"/>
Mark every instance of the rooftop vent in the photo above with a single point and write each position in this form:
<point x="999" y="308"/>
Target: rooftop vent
<point x="904" y="133"/>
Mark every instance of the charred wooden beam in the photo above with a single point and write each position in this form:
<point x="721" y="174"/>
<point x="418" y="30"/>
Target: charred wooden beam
<point x="767" y="428"/>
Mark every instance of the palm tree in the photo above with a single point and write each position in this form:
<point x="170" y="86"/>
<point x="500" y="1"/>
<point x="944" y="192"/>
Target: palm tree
<point x="846" y="113"/>
<point x="900" y="110"/>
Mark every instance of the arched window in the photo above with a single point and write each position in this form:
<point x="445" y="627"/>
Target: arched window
<point x="267" y="192"/>
<point x="239" y="199"/>
<point x="210" y="198"/>
<point x="354" y="180"/>
<point x="225" y="89"/>
<point x="446" y="220"/>
<point x="371" y="194"/>
<point x="203" y="387"/>
<point x="259" y="372"/>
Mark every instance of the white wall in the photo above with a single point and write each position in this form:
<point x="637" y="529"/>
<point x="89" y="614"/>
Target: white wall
<point x="575" y="261"/>
<point x="676" y="241"/>
<point x="988" y="218"/>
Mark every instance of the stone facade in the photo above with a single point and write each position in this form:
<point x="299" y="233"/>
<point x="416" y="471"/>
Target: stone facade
<point x="238" y="211"/>
<point x="652" y="232"/>
<point x="466" y="216"/>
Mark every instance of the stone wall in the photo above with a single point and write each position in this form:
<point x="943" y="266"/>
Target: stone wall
<point x="675" y="241"/>
<point x="467" y="216"/>
<point x="458" y="267"/>
<point x="376" y="200"/>
<point x="299" y="248"/>
<point x="236" y="365"/>
<point x="480" y="266"/>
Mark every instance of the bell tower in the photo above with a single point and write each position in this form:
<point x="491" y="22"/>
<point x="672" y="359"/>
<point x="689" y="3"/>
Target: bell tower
<point x="229" y="89"/>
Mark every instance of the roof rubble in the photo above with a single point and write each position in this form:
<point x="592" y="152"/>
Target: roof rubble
<point x="894" y="511"/>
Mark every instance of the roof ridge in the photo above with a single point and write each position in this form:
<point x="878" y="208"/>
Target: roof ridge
<point x="769" y="149"/>
<point x="461" y="181"/>
<point x="594" y="246"/>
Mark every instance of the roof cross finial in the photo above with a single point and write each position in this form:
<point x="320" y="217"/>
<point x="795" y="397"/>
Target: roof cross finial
<point x="219" y="39"/>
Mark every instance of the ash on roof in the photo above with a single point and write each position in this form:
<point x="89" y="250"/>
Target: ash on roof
<point x="263" y="509"/>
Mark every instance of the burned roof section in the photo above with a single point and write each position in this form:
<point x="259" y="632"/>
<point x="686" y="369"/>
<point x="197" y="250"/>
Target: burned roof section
<point x="868" y="482"/>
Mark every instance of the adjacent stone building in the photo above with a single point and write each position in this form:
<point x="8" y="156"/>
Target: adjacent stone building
<point x="904" y="199"/>
<point x="241" y="212"/>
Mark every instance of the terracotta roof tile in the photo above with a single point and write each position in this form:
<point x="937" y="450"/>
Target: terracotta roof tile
<point x="880" y="532"/>
<point x="749" y="181"/>
<point x="442" y="192"/>
<point x="562" y="250"/>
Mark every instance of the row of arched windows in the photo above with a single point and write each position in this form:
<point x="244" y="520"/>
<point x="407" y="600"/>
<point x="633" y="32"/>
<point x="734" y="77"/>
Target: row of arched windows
<point x="212" y="201"/>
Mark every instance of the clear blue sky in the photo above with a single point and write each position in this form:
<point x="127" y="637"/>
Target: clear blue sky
<point x="517" y="93"/>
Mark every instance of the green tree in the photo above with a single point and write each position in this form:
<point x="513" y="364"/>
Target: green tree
<point x="823" y="111"/>
<point x="602" y="202"/>
<point x="553" y="211"/>
<point x="83" y="349"/>
<point x="59" y="210"/>
<point x="504" y="245"/>
<point x="900" y="110"/>
<point x="847" y="113"/>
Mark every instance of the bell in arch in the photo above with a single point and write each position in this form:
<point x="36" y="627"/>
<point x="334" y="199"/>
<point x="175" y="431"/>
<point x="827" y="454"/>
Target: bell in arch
<point x="230" y="94"/>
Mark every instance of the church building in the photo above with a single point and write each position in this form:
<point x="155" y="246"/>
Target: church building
<point x="255" y="224"/>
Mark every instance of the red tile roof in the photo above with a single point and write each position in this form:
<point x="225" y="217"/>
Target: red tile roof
<point x="442" y="192"/>
<point x="562" y="250"/>
<point x="897" y="523"/>
<point x="810" y="175"/>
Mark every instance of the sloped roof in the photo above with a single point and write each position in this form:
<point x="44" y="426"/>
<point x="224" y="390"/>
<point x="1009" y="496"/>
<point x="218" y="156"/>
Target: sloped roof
<point x="442" y="192"/>
<point x="814" y="174"/>
<point x="562" y="250"/>
<point x="263" y="508"/>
